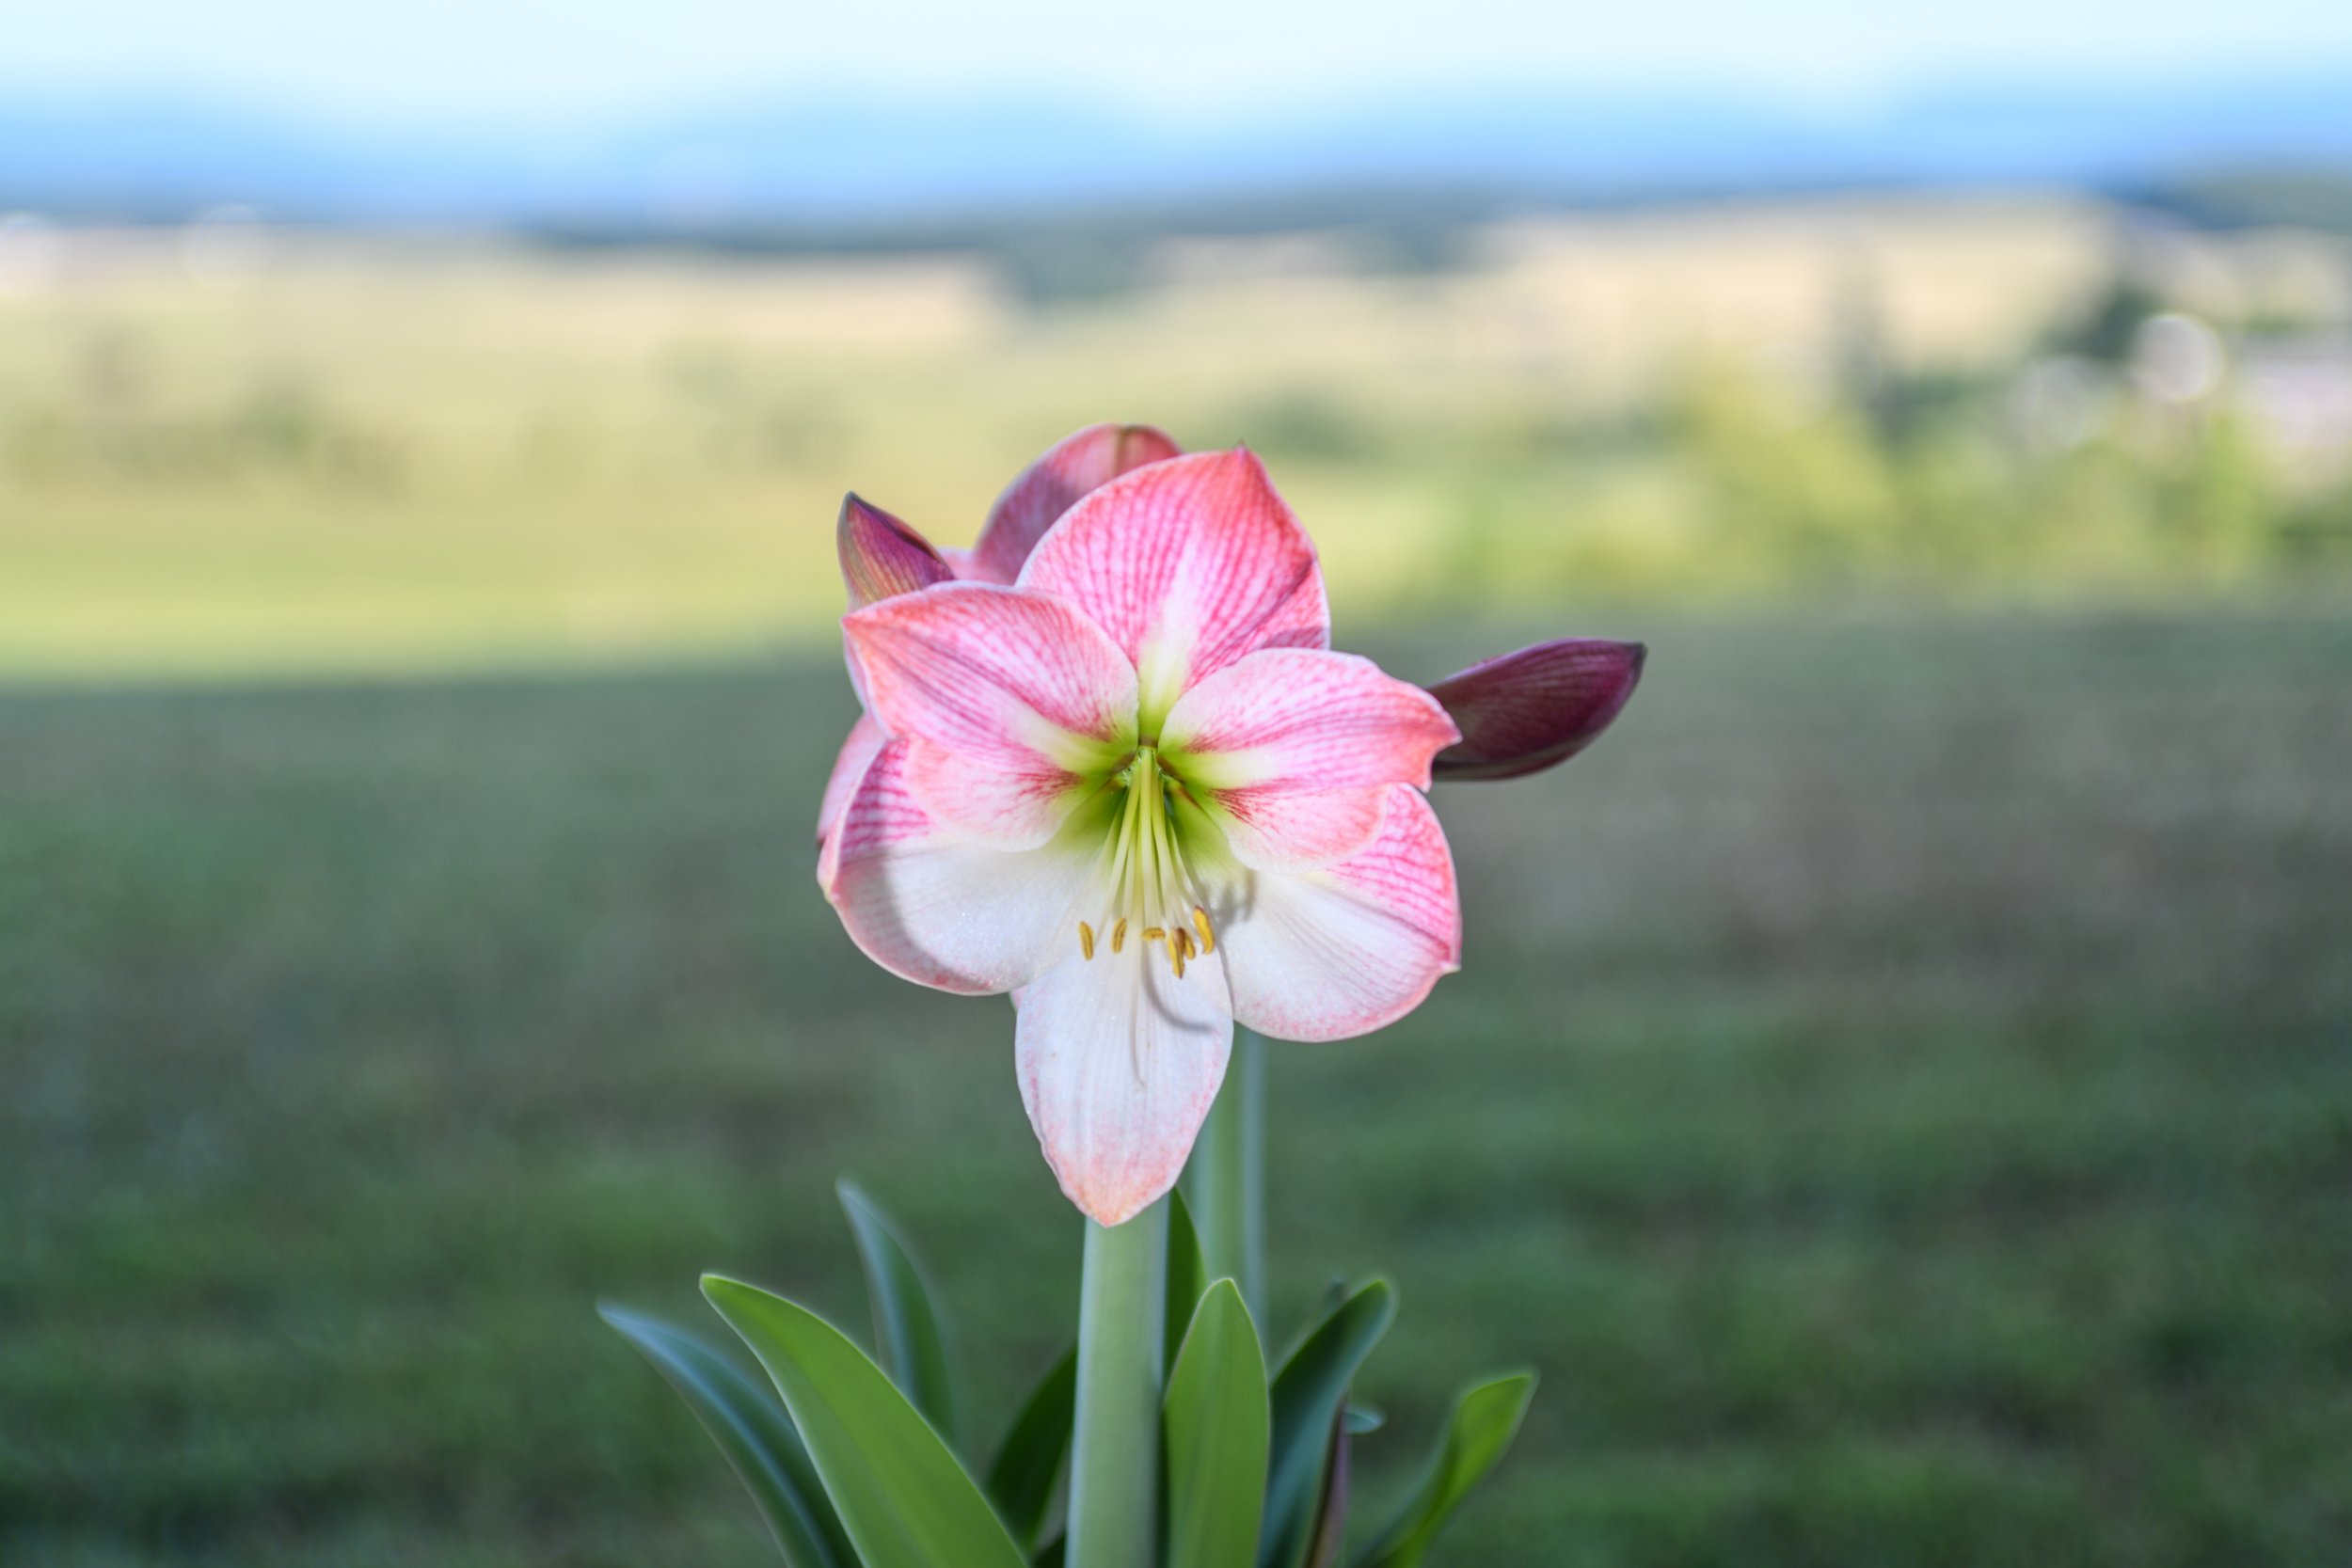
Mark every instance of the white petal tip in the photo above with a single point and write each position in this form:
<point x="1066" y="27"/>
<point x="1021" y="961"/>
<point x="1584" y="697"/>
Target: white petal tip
<point x="1112" y="1212"/>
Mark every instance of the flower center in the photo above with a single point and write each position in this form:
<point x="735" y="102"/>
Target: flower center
<point x="1153" y="897"/>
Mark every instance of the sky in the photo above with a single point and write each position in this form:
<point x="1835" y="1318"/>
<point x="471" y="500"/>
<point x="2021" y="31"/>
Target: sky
<point x="406" y="61"/>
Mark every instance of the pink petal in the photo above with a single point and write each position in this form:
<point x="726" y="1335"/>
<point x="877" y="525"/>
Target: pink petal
<point x="1189" y="564"/>
<point x="1295" y="746"/>
<point x="1296" y="830"/>
<point x="1013" y="696"/>
<point x="1118" y="1061"/>
<point x="1539" y="706"/>
<point x="866" y="739"/>
<point x="929" y="903"/>
<point x="1323" y="955"/>
<point x="882" y="557"/>
<point x="1050" y="486"/>
<point x="982" y="801"/>
<point x="1305" y="718"/>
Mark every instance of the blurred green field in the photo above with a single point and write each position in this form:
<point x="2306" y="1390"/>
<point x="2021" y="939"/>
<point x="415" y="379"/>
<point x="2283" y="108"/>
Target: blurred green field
<point x="363" y="456"/>
<point x="1899" y="1096"/>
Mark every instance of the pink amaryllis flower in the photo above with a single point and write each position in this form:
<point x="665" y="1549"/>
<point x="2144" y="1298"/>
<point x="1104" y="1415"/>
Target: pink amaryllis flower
<point x="1111" y="766"/>
<point x="882" y="557"/>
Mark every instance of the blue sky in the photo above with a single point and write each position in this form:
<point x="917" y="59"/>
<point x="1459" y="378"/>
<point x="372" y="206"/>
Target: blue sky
<point x="535" y="58"/>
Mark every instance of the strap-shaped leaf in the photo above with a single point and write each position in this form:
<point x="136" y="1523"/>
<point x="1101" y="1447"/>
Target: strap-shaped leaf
<point x="1219" y="1427"/>
<point x="1187" y="1273"/>
<point x="1486" y="1419"/>
<point x="910" y="1339"/>
<point x="1335" y="1291"/>
<point x="1330" y="1531"/>
<point x="901" y="1495"/>
<point x="1029" y="1460"/>
<point x="1308" y="1393"/>
<point x="754" y="1433"/>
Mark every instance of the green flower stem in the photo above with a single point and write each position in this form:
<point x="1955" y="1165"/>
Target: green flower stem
<point x="1227" y="1176"/>
<point x="1115" y="1451"/>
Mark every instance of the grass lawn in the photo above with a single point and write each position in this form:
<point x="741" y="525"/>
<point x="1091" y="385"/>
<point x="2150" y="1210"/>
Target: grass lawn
<point x="1899" y="1095"/>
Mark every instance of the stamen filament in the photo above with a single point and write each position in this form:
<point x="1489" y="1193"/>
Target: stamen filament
<point x="1145" y="869"/>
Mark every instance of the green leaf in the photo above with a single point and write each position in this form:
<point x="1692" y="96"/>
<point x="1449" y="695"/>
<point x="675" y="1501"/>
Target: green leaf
<point x="1485" y="1419"/>
<point x="1330" y="1531"/>
<point x="1218" y="1432"/>
<point x="1334" y="1293"/>
<point x="1028" y="1461"/>
<point x="1364" y="1419"/>
<point x="908" y="1335"/>
<point x="901" y="1495"/>
<point x="754" y="1433"/>
<point x="1308" y="1393"/>
<point x="1187" y="1274"/>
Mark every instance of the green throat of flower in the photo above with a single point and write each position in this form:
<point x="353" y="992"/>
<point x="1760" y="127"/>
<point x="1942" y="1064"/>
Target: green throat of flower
<point x="1154" y="898"/>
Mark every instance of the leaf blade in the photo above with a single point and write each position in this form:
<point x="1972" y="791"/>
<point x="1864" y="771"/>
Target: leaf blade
<point x="1187" y="1274"/>
<point x="1029" y="1460"/>
<point x="910" y="1337"/>
<point x="1218" y="1424"/>
<point x="1308" y="1394"/>
<point x="1330" y="1531"/>
<point x="752" y="1430"/>
<point x="1485" y="1419"/>
<point x="901" y="1496"/>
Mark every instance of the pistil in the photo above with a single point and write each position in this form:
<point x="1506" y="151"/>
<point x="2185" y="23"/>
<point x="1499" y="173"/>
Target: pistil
<point x="1148" y="882"/>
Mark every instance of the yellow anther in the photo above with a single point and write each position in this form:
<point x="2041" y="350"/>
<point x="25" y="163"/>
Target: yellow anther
<point x="1119" y="934"/>
<point x="1152" y="933"/>
<point x="1086" y="939"/>
<point x="1201" y="923"/>
<point x="1176" y="957"/>
<point x="1181" y="939"/>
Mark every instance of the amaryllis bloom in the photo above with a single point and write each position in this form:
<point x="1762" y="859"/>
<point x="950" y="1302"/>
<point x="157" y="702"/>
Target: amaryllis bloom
<point x="882" y="557"/>
<point x="1118" y="772"/>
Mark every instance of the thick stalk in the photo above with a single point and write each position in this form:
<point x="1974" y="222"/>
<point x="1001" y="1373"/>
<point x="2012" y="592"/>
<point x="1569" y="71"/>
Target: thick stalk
<point x="1228" y="1171"/>
<point x="1115" y="1449"/>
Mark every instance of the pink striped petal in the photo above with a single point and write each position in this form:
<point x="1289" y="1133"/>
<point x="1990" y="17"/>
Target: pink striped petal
<point x="1305" y="718"/>
<point x="866" y="739"/>
<point x="927" y="902"/>
<point x="882" y="557"/>
<point x="1014" y="697"/>
<point x="1296" y="830"/>
<point x="1295" y="747"/>
<point x="1050" y="486"/>
<point x="1189" y="564"/>
<point x="1538" y="707"/>
<point x="1118" y="1062"/>
<point x="1323" y="955"/>
<point x="983" y="801"/>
